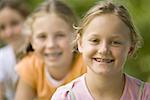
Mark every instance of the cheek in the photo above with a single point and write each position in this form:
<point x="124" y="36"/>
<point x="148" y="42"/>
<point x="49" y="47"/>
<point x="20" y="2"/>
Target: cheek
<point x="65" y="43"/>
<point x="18" y="29"/>
<point x="39" y="51"/>
<point x="121" y="54"/>
<point x="38" y="46"/>
<point x="2" y="35"/>
<point x="89" y="51"/>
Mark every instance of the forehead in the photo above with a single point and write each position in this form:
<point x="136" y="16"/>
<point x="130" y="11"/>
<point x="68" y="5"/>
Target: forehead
<point x="50" y="22"/>
<point x="8" y="14"/>
<point x="107" y="24"/>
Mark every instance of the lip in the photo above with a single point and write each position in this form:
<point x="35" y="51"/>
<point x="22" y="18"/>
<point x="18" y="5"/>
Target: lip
<point x="53" y="56"/>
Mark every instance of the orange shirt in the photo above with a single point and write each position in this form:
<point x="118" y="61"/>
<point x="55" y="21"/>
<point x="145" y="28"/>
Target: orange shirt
<point x="32" y="71"/>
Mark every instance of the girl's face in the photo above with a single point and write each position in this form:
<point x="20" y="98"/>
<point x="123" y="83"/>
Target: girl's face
<point x="52" y="40"/>
<point x="105" y="44"/>
<point x="10" y="24"/>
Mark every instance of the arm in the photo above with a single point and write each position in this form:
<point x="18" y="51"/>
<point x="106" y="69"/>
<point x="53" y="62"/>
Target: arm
<point x="24" y="91"/>
<point x="26" y="87"/>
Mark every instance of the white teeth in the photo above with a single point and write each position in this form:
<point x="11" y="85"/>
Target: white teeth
<point x="53" y="54"/>
<point x="104" y="60"/>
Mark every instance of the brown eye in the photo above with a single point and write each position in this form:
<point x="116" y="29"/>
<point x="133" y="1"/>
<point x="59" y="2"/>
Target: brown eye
<point x="2" y="27"/>
<point x="15" y="23"/>
<point x="94" y="41"/>
<point x="116" y="43"/>
<point x="41" y="37"/>
<point x="60" y="35"/>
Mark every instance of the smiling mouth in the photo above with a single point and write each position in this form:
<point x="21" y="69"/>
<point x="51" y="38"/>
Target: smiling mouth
<point x="104" y="60"/>
<point x="53" y="55"/>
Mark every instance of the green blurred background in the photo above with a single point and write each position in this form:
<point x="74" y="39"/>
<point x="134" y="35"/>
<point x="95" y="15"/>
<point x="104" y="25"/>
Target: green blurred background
<point x="139" y="9"/>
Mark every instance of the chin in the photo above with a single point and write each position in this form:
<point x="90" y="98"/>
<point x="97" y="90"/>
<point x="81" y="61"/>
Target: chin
<point x="101" y="71"/>
<point x="52" y="64"/>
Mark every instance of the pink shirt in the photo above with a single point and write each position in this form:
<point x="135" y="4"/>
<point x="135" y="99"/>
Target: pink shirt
<point x="81" y="92"/>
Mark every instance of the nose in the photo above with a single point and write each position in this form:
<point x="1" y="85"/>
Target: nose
<point x="103" y="48"/>
<point x="50" y="43"/>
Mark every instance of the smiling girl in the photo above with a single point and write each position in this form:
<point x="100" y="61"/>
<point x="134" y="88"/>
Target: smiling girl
<point x="106" y="37"/>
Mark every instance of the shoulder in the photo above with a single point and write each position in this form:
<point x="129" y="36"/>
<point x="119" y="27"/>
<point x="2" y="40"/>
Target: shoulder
<point x="30" y="60"/>
<point x="147" y="86"/>
<point x="7" y="61"/>
<point x="30" y="69"/>
<point x="29" y="57"/>
<point x="146" y="91"/>
<point x="136" y="84"/>
<point x="5" y="51"/>
<point x="6" y="48"/>
<point x="30" y="63"/>
<point x="132" y="81"/>
<point x="62" y="93"/>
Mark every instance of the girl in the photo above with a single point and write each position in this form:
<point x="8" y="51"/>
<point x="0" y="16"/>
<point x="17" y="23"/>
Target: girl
<point x="52" y="63"/>
<point x="106" y="37"/>
<point x="12" y="16"/>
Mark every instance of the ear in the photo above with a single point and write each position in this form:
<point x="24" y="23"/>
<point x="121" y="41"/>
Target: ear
<point x="32" y="42"/>
<point x="131" y="50"/>
<point x="79" y="44"/>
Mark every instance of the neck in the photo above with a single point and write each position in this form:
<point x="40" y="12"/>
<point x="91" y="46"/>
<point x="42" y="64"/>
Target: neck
<point x="106" y="87"/>
<point x="59" y="72"/>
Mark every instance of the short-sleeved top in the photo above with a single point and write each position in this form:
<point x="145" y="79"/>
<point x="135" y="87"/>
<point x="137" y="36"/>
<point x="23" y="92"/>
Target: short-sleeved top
<point x="32" y="71"/>
<point x="77" y="90"/>
<point x="8" y="76"/>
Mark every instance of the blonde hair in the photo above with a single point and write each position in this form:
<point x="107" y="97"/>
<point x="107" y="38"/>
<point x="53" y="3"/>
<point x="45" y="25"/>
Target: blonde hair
<point x="104" y="7"/>
<point x="47" y="7"/>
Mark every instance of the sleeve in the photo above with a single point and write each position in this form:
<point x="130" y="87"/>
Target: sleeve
<point x="26" y="71"/>
<point x="146" y="92"/>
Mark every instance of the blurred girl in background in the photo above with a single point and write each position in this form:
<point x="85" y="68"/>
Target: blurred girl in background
<point x="53" y="63"/>
<point x="12" y="16"/>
